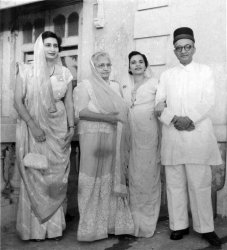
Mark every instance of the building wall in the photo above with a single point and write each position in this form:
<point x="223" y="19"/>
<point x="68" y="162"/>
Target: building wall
<point x="115" y="37"/>
<point x="7" y="79"/>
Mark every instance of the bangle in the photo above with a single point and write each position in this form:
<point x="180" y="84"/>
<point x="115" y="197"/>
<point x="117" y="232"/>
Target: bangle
<point x="72" y="127"/>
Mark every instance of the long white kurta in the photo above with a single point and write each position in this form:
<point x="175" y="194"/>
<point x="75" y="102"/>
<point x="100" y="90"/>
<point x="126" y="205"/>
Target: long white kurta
<point x="188" y="91"/>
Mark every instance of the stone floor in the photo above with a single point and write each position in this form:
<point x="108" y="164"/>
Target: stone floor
<point x="160" y="241"/>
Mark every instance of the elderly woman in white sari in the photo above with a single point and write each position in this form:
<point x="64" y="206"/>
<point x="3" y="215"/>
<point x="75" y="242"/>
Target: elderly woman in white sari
<point x="139" y="91"/>
<point x="45" y="127"/>
<point x="103" y="136"/>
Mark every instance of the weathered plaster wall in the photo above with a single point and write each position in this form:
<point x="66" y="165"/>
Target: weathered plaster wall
<point x="7" y="78"/>
<point x="116" y="37"/>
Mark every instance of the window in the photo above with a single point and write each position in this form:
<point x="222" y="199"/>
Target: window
<point x="32" y="30"/>
<point x="39" y="27"/>
<point x="73" y="23"/>
<point x="59" y="25"/>
<point x="27" y="33"/>
<point x="62" y="21"/>
<point x="69" y="59"/>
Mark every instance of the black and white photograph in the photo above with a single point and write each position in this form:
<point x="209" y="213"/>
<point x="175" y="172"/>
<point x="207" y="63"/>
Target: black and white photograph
<point x="113" y="124"/>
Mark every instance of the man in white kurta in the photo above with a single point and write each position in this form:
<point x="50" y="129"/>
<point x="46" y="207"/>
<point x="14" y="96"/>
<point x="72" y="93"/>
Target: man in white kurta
<point x="189" y="145"/>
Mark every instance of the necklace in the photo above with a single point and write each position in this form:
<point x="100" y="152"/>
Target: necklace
<point x="53" y="71"/>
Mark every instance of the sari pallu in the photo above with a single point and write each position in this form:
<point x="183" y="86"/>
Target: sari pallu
<point x="102" y="192"/>
<point x="107" y="101"/>
<point x="45" y="189"/>
<point x="103" y="206"/>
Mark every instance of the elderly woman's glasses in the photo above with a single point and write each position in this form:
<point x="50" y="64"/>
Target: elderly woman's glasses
<point x="186" y="47"/>
<point x="103" y="65"/>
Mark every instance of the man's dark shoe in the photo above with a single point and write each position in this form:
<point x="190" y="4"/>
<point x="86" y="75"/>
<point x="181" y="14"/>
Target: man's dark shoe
<point x="212" y="238"/>
<point x="178" y="234"/>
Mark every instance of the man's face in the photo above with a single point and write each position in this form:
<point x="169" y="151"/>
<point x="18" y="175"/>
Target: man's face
<point x="184" y="50"/>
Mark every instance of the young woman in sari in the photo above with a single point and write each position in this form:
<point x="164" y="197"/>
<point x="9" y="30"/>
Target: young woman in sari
<point x="43" y="99"/>
<point x="144" y="168"/>
<point x="103" y="135"/>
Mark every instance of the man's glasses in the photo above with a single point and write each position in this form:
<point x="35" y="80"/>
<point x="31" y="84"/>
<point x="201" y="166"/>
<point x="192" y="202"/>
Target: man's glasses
<point x="103" y="65"/>
<point x="186" y="47"/>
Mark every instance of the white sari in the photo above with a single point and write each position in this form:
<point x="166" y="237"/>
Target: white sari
<point x="144" y="166"/>
<point x="102" y="193"/>
<point x="42" y="192"/>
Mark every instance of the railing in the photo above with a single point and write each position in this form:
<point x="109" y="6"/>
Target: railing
<point x="10" y="178"/>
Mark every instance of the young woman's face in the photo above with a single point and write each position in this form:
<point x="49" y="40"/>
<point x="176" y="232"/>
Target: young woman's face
<point x="137" y="65"/>
<point x="51" y="48"/>
<point x="103" y="67"/>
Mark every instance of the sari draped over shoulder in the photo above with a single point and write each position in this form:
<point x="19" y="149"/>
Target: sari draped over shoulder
<point x="108" y="102"/>
<point x="102" y="192"/>
<point x="45" y="190"/>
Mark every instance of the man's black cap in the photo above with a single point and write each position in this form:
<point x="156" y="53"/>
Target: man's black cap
<point x="183" y="33"/>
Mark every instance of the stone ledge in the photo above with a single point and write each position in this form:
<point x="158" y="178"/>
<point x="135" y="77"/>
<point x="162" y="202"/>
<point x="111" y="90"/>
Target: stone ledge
<point x="8" y="133"/>
<point x="8" y="214"/>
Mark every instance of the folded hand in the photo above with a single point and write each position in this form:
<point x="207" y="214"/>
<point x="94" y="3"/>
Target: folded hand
<point x="183" y="123"/>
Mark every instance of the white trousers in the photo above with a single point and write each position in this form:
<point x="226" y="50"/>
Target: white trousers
<point x="195" y="181"/>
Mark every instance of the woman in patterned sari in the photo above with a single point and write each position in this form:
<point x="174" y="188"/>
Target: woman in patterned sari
<point x="43" y="99"/>
<point x="103" y="135"/>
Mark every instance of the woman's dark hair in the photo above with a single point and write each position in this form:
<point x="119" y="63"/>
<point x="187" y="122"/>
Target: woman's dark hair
<point x="134" y="53"/>
<point x="47" y="34"/>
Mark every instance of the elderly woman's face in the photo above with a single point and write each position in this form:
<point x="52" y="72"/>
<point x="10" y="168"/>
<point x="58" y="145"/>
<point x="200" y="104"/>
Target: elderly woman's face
<point x="103" y="67"/>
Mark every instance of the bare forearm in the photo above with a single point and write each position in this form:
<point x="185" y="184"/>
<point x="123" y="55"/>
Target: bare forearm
<point x="19" y="102"/>
<point x="23" y="112"/>
<point x="70" y="114"/>
<point x="88" y="115"/>
<point x="68" y="101"/>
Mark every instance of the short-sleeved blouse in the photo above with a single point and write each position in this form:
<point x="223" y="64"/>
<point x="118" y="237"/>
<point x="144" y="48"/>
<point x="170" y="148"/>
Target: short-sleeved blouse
<point x="144" y="95"/>
<point x="60" y="83"/>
